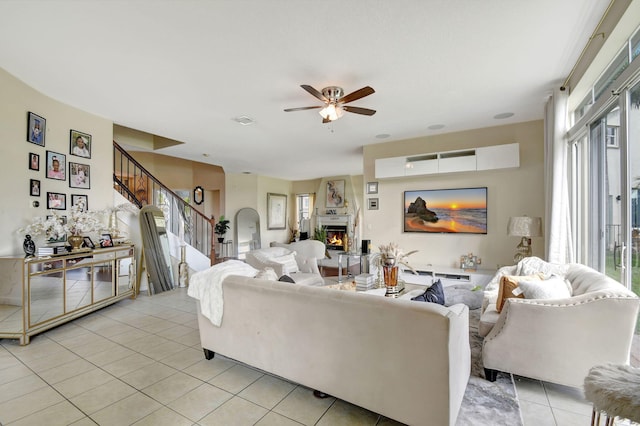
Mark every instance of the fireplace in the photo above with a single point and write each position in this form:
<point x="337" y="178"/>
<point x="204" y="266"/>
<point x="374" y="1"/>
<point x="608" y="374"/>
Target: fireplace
<point x="335" y="237"/>
<point x="336" y="226"/>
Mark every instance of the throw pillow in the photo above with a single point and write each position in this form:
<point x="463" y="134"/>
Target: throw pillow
<point x="289" y="262"/>
<point x="509" y="288"/>
<point x="286" y="279"/>
<point x="267" y="274"/>
<point x="553" y="288"/>
<point x="434" y="294"/>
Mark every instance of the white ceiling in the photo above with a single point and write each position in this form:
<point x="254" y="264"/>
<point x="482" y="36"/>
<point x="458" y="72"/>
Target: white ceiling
<point x="184" y="69"/>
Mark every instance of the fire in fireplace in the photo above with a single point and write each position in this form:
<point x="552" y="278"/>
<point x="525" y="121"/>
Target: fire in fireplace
<point x="335" y="237"/>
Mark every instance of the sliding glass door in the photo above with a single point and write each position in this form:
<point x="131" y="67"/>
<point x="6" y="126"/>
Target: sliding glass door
<point x="606" y="181"/>
<point x="633" y="184"/>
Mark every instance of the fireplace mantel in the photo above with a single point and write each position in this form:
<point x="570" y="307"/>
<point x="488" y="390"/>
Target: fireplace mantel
<point x="334" y="219"/>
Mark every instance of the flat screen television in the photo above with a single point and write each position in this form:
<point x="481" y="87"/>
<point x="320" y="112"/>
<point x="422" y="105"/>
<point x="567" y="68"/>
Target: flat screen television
<point x="459" y="211"/>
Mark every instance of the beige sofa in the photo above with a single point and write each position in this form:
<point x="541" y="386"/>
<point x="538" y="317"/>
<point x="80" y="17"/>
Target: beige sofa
<point x="558" y="340"/>
<point x="406" y="360"/>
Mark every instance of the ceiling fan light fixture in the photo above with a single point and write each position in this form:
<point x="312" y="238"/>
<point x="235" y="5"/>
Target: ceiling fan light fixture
<point x="331" y="112"/>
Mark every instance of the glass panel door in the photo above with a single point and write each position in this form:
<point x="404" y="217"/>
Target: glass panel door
<point x="633" y="154"/>
<point x="614" y="235"/>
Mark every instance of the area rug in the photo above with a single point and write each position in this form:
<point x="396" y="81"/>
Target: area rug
<point x="487" y="403"/>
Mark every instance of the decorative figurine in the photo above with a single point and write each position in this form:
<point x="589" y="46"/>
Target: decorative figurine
<point x="29" y="246"/>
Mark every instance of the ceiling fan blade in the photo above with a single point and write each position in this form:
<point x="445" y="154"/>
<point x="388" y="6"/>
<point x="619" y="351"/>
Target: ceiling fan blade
<point x="353" y="96"/>
<point x="358" y="110"/>
<point x="303" y="108"/>
<point x="314" y="92"/>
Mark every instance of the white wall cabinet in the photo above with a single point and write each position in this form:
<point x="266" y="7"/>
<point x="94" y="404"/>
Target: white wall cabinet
<point x="39" y="293"/>
<point x="475" y="159"/>
<point x="498" y="157"/>
<point x="390" y="167"/>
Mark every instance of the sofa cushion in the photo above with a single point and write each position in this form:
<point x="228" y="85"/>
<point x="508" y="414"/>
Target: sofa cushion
<point x="286" y="279"/>
<point x="488" y="319"/>
<point x="508" y="286"/>
<point x="267" y="274"/>
<point x="553" y="288"/>
<point x="434" y="294"/>
<point x="289" y="262"/>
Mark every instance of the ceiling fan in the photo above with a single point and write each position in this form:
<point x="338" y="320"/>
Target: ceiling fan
<point x="334" y="101"/>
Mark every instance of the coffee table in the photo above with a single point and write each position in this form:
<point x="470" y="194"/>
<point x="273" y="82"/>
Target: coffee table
<point x="351" y="286"/>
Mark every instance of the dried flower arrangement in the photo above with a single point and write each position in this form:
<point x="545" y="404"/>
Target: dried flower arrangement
<point x="392" y="255"/>
<point x="54" y="227"/>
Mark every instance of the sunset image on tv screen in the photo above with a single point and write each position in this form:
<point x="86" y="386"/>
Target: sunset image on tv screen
<point x="462" y="210"/>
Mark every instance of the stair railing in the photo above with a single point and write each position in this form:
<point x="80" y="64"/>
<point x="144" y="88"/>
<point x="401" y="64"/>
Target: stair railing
<point x="141" y="188"/>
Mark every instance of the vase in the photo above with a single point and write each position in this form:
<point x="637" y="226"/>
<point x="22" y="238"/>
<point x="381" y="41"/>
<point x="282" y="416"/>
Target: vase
<point x="75" y="241"/>
<point x="390" y="278"/>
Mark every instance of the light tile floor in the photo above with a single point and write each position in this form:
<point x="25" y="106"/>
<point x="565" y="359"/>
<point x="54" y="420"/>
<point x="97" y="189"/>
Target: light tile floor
<point x="140" y="362"/>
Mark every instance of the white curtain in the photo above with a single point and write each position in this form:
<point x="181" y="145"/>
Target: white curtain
<point x="559" y="248"/>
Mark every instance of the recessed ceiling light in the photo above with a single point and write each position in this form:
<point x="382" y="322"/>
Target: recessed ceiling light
<point x="382" y="136"/>
<point x="244" y="120"/>
<point x="436" y="127"/>
<point x="503" y="115"/>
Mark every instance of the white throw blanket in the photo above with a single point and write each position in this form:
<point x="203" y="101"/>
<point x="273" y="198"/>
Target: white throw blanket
<point x="206" y="286"/>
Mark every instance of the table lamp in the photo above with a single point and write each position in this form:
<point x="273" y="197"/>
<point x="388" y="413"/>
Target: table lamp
<point x="525" y="227"/>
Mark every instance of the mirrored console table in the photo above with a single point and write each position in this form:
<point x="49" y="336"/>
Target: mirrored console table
<point x="39" y="293"/>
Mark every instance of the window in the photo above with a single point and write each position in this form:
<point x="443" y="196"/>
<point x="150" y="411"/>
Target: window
<point x="303" y="202"/>
<point x="612" y="136"/>
<point x="619" y="64"/>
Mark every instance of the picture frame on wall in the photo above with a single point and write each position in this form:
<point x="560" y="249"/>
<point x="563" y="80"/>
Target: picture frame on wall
<point x="335" y="193"/>
<point x="373" y="204"/>
<point x="79" y="176"/>
<point x="56" y="166"/>
<point x="34" y="161"/>
<point x="276" y="211"/>
<point x="34" y="187"/>
<point x="36" y="128"/>
<point x="79" y="144"/>
<point x="56" y="201"/>
<point x="77" y="198"/>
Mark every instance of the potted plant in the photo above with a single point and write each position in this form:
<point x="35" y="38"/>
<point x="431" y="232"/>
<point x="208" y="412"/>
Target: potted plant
<point x="221" y="228"/>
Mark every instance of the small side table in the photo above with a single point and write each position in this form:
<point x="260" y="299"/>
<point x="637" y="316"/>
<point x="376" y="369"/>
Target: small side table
<point x="349" y="256"/>
<point x="613" y="389"/>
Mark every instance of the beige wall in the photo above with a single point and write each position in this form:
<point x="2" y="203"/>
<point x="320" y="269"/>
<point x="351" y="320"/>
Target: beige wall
<point x="511" y="192"/>
<point x="247" y="190"/>
<point x="179" y="174"/>
<point x="16" y="210"/>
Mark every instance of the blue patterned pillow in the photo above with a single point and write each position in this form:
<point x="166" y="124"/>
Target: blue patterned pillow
<point x="434" y="294"/>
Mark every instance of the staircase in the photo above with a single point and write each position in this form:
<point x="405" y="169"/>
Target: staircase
<point x="141" y="188"/>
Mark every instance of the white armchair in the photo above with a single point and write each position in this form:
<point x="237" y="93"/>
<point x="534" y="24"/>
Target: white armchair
<point x="559" y="340"/>
<point x="297" y="260"/>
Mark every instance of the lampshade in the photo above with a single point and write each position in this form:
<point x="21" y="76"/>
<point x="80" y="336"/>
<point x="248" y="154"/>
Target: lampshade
<point x="524" y="226"/>
<point x="331" y="113"/>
